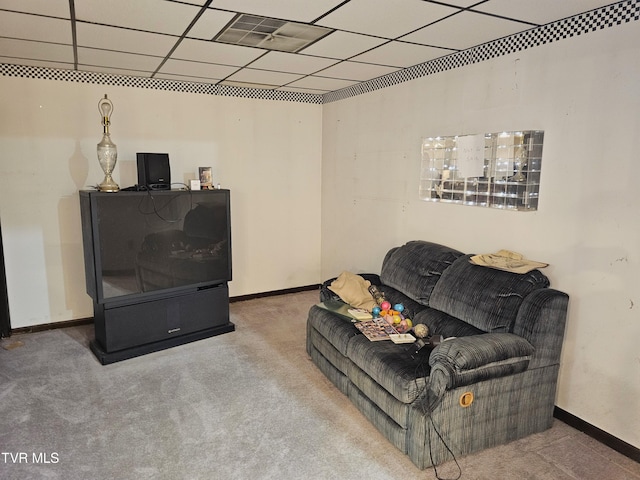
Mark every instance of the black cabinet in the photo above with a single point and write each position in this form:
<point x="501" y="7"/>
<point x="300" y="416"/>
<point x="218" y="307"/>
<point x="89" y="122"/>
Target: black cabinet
<point x="157" y="266"/>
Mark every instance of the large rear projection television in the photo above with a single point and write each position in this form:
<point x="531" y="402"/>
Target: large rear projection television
<point x="141" y="244"/>
<point x="157" y="265"/>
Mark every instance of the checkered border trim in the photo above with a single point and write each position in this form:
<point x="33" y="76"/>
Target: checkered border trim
<point x="155" y="83"/>
<point x="598" y="19"/>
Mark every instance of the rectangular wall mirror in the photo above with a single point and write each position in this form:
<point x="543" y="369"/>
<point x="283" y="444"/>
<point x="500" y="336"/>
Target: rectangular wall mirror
<point x="498" y="170"/>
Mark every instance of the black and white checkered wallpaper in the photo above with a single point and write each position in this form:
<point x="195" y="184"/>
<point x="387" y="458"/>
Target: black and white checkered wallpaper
<point x="154" y="83"/>
<point x="605" y="17"/>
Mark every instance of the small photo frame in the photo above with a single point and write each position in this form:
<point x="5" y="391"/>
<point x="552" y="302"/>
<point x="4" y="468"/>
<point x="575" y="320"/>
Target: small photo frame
<point x="206" y="179"/>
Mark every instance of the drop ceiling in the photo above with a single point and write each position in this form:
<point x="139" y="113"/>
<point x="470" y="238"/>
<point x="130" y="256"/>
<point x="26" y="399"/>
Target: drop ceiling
<point x="357" y="40"/>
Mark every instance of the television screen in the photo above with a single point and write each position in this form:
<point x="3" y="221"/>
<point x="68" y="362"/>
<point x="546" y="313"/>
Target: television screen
<point x="144" y="243"/>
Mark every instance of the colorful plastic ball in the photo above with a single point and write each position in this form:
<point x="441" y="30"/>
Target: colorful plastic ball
<point x="376" y="311"/>
<point x="385" y="305"/>
<point x="398" y="307"/>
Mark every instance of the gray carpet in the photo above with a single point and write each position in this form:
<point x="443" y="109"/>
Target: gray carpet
<point x="244" y="405"/>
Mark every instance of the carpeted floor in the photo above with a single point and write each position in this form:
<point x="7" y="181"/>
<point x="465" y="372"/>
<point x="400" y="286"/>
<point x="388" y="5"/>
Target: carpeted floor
<point x="244" y="405"/>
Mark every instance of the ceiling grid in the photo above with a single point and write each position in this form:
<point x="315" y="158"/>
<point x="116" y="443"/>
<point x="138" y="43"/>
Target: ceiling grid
<point x="360" y="45"/>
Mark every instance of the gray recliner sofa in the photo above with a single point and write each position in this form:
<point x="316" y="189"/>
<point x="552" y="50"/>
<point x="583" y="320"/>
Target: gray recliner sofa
<point x="493" y="383"/>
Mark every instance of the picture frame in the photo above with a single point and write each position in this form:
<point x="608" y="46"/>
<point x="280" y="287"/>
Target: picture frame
<point x="206" y="178"/>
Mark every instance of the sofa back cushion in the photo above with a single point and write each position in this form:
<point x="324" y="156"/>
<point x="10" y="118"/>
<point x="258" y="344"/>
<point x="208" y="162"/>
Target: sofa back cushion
<point x="484" y="297"/>
<point x="414" y="268"/>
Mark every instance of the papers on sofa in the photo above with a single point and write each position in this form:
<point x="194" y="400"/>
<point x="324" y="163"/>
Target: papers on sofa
<point x="376" y="329"/>
<point x="402" y="338"/>
<point x="360" y="314"/>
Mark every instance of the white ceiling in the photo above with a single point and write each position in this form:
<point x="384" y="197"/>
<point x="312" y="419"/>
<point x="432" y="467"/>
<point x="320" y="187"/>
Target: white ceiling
<point x="171" y="39"/>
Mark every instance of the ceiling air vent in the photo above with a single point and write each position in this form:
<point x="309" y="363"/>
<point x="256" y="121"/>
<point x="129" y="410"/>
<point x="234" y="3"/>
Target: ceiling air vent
<point x="270" y="34"/>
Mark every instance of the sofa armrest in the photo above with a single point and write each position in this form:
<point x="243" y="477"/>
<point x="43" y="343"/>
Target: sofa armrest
<point x="541" y="320"/>
<point x="467" y="360"/>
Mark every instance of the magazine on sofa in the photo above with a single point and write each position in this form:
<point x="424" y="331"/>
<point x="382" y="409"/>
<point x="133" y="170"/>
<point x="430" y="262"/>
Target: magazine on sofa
<point x="376" y="329"/>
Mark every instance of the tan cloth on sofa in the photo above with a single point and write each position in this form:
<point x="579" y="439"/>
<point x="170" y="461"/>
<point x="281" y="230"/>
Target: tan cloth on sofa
<point x="507" y="260"/>
<point x="354" y="290"/>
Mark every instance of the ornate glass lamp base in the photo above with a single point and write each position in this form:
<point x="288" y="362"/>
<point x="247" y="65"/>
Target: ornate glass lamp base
<point x="108" y="185"/>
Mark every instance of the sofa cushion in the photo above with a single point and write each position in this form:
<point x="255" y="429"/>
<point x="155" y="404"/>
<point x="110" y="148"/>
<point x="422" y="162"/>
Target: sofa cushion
<point x="335" y="329"/>
<point x="441" y="323"/>
<point x="486" y="298"/>
<point x="391" y="366"/>
<point x="411" y="307"/>
<point x="415" y="267"/>
<point x="377" y="395"/>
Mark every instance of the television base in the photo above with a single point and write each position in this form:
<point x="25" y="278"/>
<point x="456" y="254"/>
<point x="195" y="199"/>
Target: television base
<point x="107" y="358"/>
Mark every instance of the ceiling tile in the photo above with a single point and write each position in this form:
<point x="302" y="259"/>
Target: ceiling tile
<point x="197" y="69"/>
<point x="261" y="86"/>
<point x="149" y="15"/>
<point x="195" y="2"/>
<point x="301" y="11"/>
<point x="52" y="8"/>
<point x="249" y="75"/>
<point x="23" y="49"/>
<point x="211" y="52"/>
<point x="343" y="45"/>
<point x="458" y="3"/>
<point x="129" y="72"/>
<point x="321" y="83"/>
<point x="288" y="88"/>
<point x="210" y="23"/>
<point x="124" y="40"/>
<point x="36" y="63"/>
<point x="465" y="30"/>
<point x="377" y="17"/>
<point x="32" y="27"/>
<point x="130" y="61"/>
<point x="292" y="63"/>
<point x="356" y="71"/>
<point x="401" y="54"/>
<point x="182" y="78"/>
<point x="541" y="11"/>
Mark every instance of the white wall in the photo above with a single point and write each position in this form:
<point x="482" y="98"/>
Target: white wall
<point x="583" y="92"/>
<point x="266" y="152"/>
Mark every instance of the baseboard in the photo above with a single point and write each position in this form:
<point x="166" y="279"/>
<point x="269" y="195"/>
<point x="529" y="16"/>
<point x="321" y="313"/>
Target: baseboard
<point x="51" y="326"/>
<point x="603" y="437"/>
<point x="89" y="320"/>
<point x="274" y="293"/>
